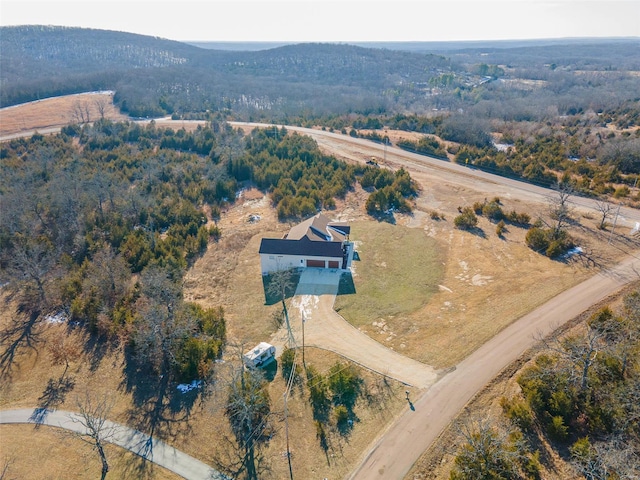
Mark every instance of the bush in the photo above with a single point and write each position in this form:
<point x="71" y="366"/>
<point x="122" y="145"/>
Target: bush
<point x="287" y="359"/>
<point x="345" y="383"/>
<point x="518" y="412"/>
<point x="520" y="219"/>
<point x="493" y="211"/>
<point x="342" y="415"/>
<point x="537" y="239"/>
<point x="557" y="430"/>
<point x="621" y="192"/>
<point x="466" y="220"/>
<point x="500" y="228"/>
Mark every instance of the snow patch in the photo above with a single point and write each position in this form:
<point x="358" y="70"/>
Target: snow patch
<point x="59" y="317"/>
<point x="573" y="251"/>
<point x="187" y="387"/>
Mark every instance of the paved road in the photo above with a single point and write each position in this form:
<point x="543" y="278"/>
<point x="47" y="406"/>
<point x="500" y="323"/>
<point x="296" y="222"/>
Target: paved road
<point x="325" y="328"/>
<point x="398" y="448"/>
<point x="137" y="442"/>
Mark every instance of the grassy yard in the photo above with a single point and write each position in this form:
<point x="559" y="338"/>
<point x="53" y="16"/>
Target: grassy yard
<point x="398" y="272"/>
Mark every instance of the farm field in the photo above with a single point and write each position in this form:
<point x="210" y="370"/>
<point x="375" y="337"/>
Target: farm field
<point x="57" y="112"/>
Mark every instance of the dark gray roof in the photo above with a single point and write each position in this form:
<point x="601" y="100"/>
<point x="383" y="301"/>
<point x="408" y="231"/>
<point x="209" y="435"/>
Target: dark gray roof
<point x="304" y="246"/>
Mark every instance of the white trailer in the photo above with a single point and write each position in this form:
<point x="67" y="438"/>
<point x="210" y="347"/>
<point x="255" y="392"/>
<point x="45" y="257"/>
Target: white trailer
<point x="259" y="355"/>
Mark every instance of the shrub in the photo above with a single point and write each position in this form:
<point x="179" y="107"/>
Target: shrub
<point x="466" y="220"/>
<point x="518" y="412"/>
<point x="621" y="192"/>
<point x="493" y="211"/>
<point x="342" y="415"/>
<point x="287" y="359"/>
<point x="500" y="228"/>
<point x="520" y="219"/>
<point x="537" y="239"/>
<point x="557" y="430"/>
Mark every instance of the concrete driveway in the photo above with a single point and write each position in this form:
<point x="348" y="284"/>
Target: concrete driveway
<point x="325" y="328"/>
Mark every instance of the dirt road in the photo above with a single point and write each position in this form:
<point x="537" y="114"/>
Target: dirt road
<point x="444" y="174"/>
<point x="397" y="449"/>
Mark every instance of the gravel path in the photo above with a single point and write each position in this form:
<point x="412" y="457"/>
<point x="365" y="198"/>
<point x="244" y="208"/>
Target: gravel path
<point x="135" y="441"/>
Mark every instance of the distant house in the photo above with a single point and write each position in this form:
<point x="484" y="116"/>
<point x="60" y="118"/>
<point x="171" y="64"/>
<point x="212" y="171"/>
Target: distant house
<point x="317" y="242"/>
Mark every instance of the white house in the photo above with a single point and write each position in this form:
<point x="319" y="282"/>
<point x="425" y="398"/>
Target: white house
<point x="317" y="242"/>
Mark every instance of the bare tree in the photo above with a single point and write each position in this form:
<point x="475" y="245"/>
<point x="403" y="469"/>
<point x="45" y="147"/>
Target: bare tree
<point x="79" y="113"/>
<point x="580" y="352"/>
<point x="101" y="104"/>
<point x="606" y="211"/>
<point x="96" y="429"/>
<point x="280" y="284"/>
<point x="487" y="452"/>
<point x="248" y="409"/>
<point x="560" y="210"/>
<point x="63" y="348"/>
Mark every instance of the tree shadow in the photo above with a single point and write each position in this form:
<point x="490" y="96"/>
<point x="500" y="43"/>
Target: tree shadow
<point x="159" y="409"/>
<point x="386" y="217"/>
<point x="477" y="231"/>
<point x="53" y="396"/>
<point x="271" y="295"/>
<point x="19" y="334"/>
<point x="96" y="347"/>
<point x="345" y="427"/>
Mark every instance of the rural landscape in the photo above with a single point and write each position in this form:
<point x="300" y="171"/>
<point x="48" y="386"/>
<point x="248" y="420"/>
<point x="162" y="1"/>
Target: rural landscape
<point x="394" y="261"/>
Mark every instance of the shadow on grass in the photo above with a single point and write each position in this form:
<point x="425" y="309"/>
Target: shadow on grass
<point x="271" y="295"/>
<point x="53" y="396"/>
<point x="270" y="370"/>
<point x="19" y="334"/>
<point x="159" y="409"/>
<point x="386" y="217"/>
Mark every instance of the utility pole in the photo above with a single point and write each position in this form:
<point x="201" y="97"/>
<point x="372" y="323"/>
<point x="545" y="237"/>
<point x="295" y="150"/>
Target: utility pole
<point x="303" y="320"/>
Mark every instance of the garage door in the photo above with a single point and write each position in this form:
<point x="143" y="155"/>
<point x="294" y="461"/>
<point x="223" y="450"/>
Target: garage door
<point x="334" y="264"/>
<point x="315" y="263"/>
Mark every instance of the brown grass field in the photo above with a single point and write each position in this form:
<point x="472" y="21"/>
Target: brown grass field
<point x="468" y="286"/>
<point x="57" y="112"/>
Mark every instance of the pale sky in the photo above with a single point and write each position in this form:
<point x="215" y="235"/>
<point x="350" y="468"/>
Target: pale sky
<point x="336" y="21"/>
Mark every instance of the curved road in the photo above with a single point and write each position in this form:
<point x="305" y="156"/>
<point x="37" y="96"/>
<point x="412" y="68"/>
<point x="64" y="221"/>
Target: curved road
<point x="137" y="442"/>
<point x="397" y="449"/>
<point x="325" y="328"/>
